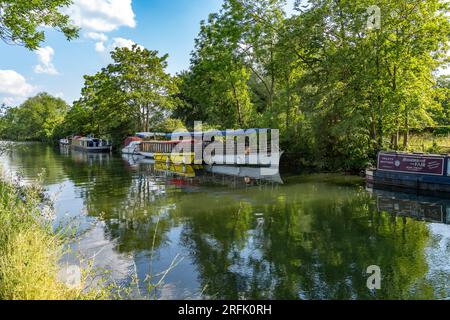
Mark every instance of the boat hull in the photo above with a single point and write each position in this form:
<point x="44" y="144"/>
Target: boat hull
<point x="149" y="155"/>
<point x="93" y="149"/>
<point x="416" y="182"/>
<point x="132" y="148"/>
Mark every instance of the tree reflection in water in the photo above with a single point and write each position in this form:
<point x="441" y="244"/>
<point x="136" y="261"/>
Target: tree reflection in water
<point x="305" y="239"/>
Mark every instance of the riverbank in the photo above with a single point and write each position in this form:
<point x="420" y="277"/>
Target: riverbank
<point x="30" y="250"/>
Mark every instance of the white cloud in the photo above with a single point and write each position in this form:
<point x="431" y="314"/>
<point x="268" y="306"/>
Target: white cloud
<point x="14" y="84"/>
<point x="45" y="56"/>
<point x="115" y="43"/>
<point x="102" y="15"/>
<point x="100" y="47"/>
<point x="97" y="36"/>
<point x="122" y="43"/>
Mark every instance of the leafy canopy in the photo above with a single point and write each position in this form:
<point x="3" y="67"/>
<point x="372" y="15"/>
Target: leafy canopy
<point x="22" y="21"/>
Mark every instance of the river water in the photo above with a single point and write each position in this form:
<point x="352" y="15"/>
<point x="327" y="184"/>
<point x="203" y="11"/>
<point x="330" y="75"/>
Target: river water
<point x="225" y="236"/>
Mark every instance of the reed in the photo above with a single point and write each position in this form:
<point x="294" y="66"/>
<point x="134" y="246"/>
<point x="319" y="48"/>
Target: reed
<point x="30" y="250"/>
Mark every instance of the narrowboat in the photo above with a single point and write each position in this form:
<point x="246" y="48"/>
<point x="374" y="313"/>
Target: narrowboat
<point x="414" y="171"/>
<point x="244" y="148"/>
<point x="230" y="147"/>
<point x="90" y="144"/>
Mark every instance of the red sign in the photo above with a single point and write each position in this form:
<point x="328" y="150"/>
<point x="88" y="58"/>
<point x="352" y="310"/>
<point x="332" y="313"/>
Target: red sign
<point x="411" y="164"/>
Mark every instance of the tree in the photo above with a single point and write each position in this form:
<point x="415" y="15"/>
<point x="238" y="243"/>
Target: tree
<point x="360" y="86"/>
<point x="134" y="93"/>
<point x="36" y="119"/>
<point x="338" y="90"/>
<point x="21" y="21"/>
<point x="233" y="74"/>
<point x="441" y="115"/>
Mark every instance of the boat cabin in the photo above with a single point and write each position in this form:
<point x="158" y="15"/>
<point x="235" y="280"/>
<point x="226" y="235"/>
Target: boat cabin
<point x="411" y="171"/>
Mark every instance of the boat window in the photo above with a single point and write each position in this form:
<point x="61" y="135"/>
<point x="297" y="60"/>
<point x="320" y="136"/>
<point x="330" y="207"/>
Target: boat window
<point x="448" y="167"/>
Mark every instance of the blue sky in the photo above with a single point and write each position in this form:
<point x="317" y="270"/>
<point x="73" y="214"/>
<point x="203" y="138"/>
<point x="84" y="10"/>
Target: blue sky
<point x="169" y="26"/>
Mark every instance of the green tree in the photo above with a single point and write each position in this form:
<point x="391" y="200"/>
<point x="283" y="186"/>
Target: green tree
<point x="442" y="115"/>
<point x="361" y="88"/>
<point x="134" y="93"/>
<point x="21" y="21"/>
<point x="233" y="74"/>
<point x="36" y="119"/>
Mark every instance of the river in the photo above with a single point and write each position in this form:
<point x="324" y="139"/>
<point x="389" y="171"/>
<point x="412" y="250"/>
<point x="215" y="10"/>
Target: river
<point x="228" y="237"/>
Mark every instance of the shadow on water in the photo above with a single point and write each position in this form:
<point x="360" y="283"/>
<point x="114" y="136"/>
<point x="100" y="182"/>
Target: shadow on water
<point x="246" y="236"/>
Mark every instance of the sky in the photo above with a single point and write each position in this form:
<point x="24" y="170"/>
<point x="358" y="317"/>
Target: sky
<point x="168" y="26"/>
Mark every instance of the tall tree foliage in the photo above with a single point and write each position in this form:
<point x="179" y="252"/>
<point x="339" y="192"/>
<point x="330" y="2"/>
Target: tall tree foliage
<point x="134" y="93"/>
<point x="338" y="89"/>
<point x="21" y="21"/>
<point x="234" y="53"/>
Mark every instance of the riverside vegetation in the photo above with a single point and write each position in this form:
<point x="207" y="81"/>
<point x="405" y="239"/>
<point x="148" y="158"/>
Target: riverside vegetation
<point x="30" y="250"/>
<point x="338" y="89"/>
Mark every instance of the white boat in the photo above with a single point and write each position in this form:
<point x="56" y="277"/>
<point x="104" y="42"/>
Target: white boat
<point x="132" y="148"/>
<point x="133" y="144"/>
<point x="147" y="147"/>
<point x="64" y="142"/>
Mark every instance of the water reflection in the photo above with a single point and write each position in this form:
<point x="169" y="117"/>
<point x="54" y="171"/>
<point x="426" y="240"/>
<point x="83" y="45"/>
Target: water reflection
<point x="426" y="208"/>
<point x="243" y="235"/>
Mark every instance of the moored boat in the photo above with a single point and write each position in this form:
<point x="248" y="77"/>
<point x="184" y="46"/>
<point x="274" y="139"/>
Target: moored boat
<point x="90" y="144"/>
<point x="232" y="147"/>
<point x="416" y="171"/>
<point x="131" y="145"/>
<point x="65" y="142"/>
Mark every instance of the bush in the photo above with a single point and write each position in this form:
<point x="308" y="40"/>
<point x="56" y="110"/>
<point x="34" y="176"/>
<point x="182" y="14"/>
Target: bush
<point x="442" y="131"/>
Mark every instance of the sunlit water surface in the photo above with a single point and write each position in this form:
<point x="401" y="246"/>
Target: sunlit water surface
<point x="233" y="238"/>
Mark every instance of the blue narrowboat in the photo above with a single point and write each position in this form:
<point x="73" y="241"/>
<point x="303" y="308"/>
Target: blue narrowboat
<point x="414" y="171"/>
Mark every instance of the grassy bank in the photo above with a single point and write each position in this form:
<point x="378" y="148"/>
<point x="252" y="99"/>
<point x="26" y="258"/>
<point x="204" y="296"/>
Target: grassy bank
<point x="429" y="142"/>
<point x="29" y="249"/>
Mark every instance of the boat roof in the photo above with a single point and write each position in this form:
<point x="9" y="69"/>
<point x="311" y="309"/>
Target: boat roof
<point x="151" y="134"/>
<point x="85" y="138"/>
<point x="240" y="132"/>
<point x="415" y="154"/>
